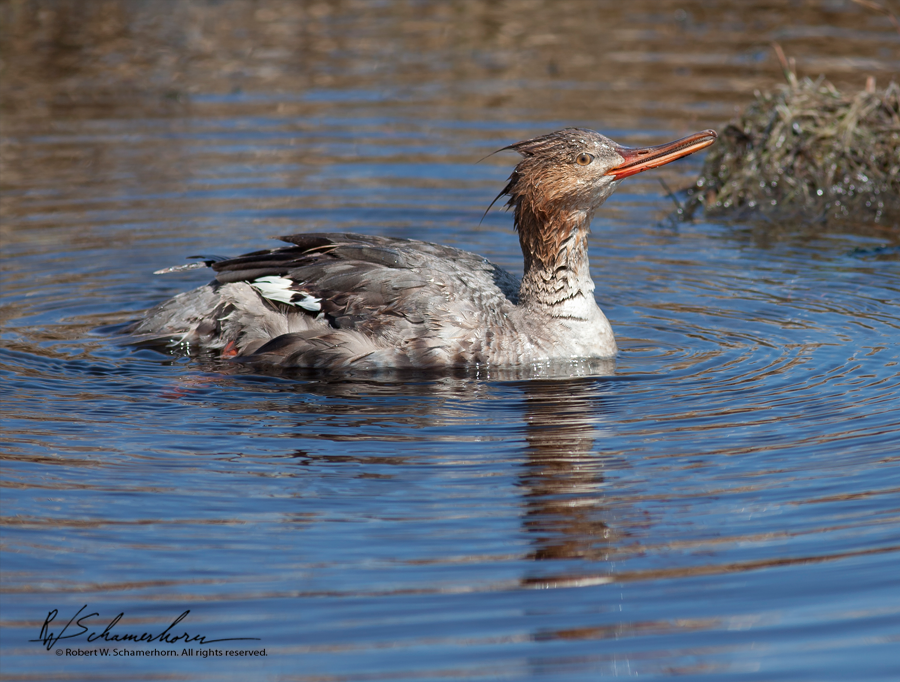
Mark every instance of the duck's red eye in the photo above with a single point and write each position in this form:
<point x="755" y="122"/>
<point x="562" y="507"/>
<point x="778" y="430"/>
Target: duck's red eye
<point x="584" y="159"/>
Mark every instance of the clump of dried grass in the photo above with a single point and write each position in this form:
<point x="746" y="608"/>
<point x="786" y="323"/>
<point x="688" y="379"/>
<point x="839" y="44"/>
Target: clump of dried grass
<point x="807" y="150"/>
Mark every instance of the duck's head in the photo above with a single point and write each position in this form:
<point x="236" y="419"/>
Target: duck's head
<point x="576" y="169"/>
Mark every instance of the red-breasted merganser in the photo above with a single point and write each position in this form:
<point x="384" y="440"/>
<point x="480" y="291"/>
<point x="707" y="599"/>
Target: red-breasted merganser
<point x="352" y="301"/>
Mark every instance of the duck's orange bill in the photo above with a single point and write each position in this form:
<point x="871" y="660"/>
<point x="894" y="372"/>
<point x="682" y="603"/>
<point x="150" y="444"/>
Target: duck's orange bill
<point x="645" y="158"/>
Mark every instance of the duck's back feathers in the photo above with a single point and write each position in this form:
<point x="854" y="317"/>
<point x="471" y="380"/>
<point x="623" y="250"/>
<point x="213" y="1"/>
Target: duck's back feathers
<point x="334" y="300"/>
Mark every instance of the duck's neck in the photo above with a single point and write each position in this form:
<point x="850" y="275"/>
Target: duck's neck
<point x="557" y="277"/>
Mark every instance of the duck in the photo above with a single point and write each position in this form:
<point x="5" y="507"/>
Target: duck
<point x="343" y="301"/>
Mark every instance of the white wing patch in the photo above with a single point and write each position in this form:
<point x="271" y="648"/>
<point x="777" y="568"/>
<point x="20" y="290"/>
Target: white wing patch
<point x="283" y="290"/>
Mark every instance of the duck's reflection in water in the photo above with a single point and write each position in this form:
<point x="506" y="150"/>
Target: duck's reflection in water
<point x="561" y="420"/>
<point x="563" y="478"/>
